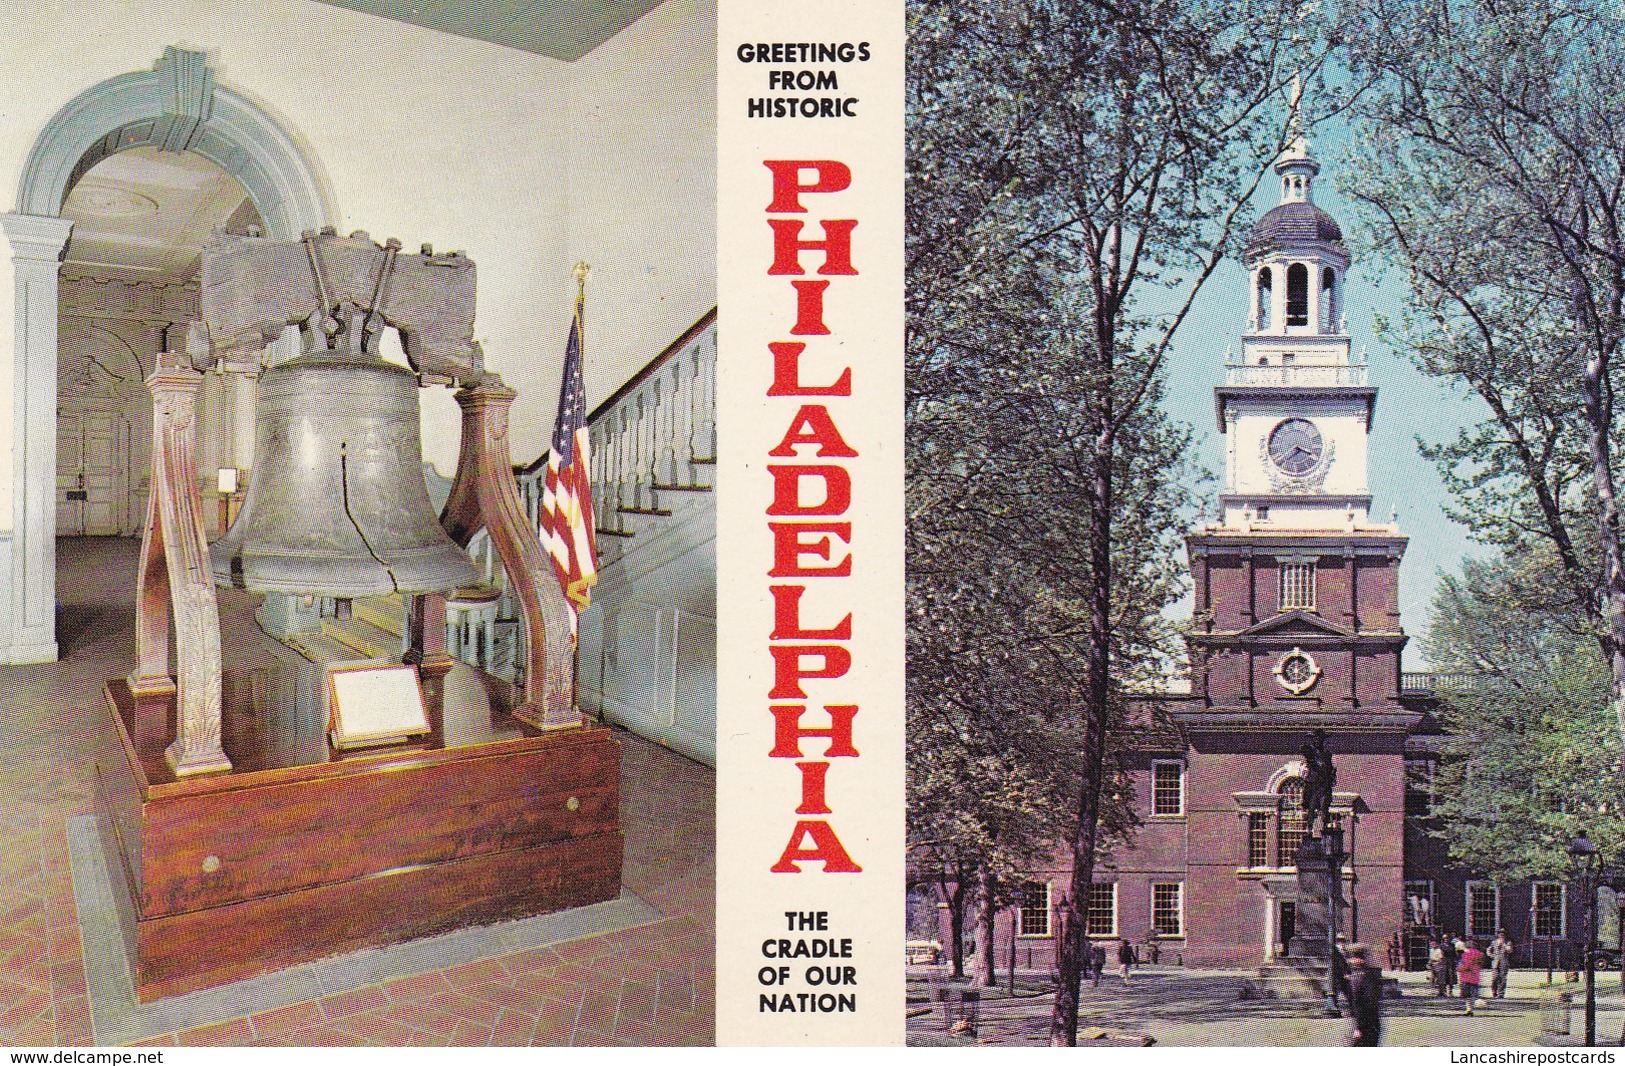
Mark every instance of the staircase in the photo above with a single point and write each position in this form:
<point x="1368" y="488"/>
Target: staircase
<point x="647" y="646"/>
<point x="374" y="630"/>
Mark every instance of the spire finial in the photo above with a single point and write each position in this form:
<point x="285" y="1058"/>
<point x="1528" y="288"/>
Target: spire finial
<point x="581" y="271"/>
<point x="1296" y="166"/>
<point x="1295" y="125"/>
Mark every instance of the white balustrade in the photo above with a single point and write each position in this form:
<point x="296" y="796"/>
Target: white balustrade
<point x="1296" y="376"/>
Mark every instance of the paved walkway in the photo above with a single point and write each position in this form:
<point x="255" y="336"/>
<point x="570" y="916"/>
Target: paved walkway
<point x="1181" y="1007"/>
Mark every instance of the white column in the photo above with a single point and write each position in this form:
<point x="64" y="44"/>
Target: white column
<point x="37" y="243"/>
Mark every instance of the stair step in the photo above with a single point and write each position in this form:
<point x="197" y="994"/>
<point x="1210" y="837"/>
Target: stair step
<point x="367" y="639"/>
<point x="321" y="649"/>
<point x="386" y="612"/>
<point x="602" y="532"/>
<point x="709" y="460"/>
<point x="662" y="512"/>
<point x="658" y="487"/>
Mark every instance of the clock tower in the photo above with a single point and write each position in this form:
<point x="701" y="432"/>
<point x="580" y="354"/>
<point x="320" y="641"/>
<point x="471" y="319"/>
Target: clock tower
<point x="1296" y="622"/>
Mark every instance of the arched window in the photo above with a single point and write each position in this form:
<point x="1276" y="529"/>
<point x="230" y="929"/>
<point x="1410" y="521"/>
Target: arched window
<point x="1331" y="301"/>
<point x="1297" y="295"/>
<point x="1290" y="832"/>
<point x="1266" y="296"/>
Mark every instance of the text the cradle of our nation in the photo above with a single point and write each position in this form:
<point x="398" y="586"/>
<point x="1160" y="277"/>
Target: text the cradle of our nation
<point x="796" y="68"/>
<point x="826" y="981"/>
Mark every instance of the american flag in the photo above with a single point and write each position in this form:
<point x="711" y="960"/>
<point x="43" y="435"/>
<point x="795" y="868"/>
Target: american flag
<point x="566" y="523"/>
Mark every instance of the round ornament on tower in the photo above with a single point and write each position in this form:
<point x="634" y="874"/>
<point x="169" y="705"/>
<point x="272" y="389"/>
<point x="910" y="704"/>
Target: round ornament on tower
<point x="1297" y="671"/>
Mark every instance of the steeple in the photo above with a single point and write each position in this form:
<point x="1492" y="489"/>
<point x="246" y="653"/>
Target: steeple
<point x="1295" y="408"/>
<point x="1296" y="166"/>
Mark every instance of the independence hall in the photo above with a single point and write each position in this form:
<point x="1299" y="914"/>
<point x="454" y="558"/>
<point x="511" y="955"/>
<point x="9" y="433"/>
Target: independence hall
<point x="1296" y="627"/>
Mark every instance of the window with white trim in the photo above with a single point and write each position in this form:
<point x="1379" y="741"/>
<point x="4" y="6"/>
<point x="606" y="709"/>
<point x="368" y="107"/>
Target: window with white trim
<point x="1298" y="586"/>
<point x="1550" y="919"/>
<point x="1102" y="913"/>
<point x="1167" y="787"/>
<point x="1419" y="901"/>
<point x="1258" y="839"/>
<point x="1168" y="908"/>
<point x="1035" y="908"/>
<point x="1290" y="830"/>
<point x="1483" y="908"/>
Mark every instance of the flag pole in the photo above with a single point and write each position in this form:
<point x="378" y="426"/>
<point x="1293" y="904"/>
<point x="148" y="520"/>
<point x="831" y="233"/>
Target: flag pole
<point x="581" y="270"/>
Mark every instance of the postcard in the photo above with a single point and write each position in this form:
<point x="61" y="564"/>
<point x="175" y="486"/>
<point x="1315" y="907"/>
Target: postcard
<point x="978" y="524"/>
<point x="1245" y="709"/>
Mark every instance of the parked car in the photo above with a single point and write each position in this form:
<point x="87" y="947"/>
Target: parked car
<point x="922" y="952"/>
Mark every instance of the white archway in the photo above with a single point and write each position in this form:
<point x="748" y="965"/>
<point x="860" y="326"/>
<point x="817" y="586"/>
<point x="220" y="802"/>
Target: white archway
<point x="176" y="106"/>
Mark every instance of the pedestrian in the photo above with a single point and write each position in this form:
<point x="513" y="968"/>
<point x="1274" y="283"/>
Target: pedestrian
<point x="1500" y="954"/>
<point x="1396" y="953"/>
<point x="1098" y="953"/>
<point x="1365" y="998"/>
<point x="1436" y="966"/>
<point x="1452" y="955"/>
<point x="1469" y="970"/>
<point x="1125" y="958"/>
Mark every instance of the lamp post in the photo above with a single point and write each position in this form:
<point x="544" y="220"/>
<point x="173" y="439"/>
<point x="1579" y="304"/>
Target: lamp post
<point x="1587" y="861"/>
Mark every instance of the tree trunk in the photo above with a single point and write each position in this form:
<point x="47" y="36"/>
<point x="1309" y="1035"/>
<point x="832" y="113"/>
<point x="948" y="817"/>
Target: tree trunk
<point x="984" y="973"/>
<point x="956" y="927"/>
<point x="1015" y="929"/>
<point x="1063" y="1030"/>
<point x="1599" y="417"/>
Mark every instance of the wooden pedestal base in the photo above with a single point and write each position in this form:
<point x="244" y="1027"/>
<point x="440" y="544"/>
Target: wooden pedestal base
<point x="229" y="875"/>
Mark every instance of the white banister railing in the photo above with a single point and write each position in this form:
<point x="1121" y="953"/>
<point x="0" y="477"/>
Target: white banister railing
<point x="656" y="433"/>
<point x="1296" y="376"/>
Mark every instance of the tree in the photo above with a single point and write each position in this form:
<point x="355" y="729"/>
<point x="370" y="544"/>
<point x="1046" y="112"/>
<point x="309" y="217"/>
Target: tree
<point x="1495" y="141"/>
<point x="1077" y="172"/>
<point x="1522" y="769"/>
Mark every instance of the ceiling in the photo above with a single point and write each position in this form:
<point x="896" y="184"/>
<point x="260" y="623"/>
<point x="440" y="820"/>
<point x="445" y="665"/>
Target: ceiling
<point x="558" y="29"/>
<point x="144" y="214"/>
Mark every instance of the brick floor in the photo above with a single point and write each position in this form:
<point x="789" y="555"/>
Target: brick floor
<point x="650" y="984"/>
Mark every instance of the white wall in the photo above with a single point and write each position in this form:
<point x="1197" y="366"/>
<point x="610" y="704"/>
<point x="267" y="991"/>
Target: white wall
<point x="643" y="170"/>
<point x="430" y="137"/>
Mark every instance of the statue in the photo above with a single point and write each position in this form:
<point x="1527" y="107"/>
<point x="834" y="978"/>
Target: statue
<point x="1320" y="778"/>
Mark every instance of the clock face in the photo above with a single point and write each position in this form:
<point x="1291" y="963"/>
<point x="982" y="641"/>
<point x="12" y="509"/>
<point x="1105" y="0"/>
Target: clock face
<point x="1296" y="446"/>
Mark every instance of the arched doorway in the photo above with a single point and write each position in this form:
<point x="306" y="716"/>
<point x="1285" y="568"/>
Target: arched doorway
<point x="129" y="284"/>
<point x="175" y="107"/>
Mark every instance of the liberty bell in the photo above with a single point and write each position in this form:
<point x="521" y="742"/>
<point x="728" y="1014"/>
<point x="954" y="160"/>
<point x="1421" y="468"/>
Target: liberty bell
<point x="336" y="503"/>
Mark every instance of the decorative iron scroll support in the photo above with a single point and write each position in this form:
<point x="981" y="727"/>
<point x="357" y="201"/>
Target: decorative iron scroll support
<point x="485" y="495"/>
<point x="174" y="581"/>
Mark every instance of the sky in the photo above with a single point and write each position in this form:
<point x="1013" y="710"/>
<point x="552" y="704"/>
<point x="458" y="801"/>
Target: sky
<point x="1409" y="403"/>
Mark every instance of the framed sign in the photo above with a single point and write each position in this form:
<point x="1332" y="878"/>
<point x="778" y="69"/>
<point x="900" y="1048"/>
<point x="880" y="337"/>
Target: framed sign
<point x="374" y="702"/>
